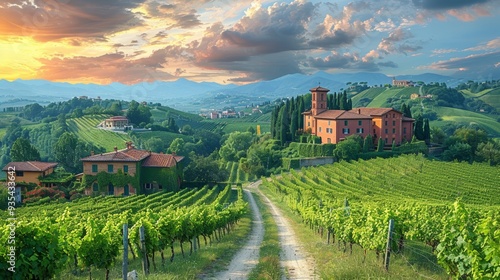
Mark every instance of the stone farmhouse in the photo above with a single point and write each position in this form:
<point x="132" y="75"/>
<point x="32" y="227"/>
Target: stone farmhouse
<point x="131" y="171"/>
<point x="334" y="126"/>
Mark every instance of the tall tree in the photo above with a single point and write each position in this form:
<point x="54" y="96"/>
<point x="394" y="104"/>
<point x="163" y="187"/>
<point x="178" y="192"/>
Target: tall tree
<point x="68" y="151"/>
<point x="427" y="131"/>
<point x="419" y="128"/>
<point x="380" y="145"/>
<point x="22" y="150"/>
<point x="343" y="102"/>
<point x="300" y="110"/>
<point x="294" y="124"/>
<point x="368" y="143"/>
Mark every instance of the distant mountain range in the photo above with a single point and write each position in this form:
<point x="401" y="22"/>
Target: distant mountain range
<point x="192" y="96"/>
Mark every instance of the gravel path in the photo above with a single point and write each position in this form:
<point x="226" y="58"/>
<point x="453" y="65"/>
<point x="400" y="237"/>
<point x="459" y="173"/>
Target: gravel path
<point x="294" y="263"/>
<point x="246" y="259"/>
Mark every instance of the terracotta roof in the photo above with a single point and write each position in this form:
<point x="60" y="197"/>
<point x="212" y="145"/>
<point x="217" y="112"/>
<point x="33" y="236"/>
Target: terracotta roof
<point x="320" y="89"/>
<point x="30" y="166"/>
<point x="160" y="160"/>
<point x="373" y="111"/>
<point x="135" y="155"/>
<point x="341" y="115"/>
<point x="131" y="154"/>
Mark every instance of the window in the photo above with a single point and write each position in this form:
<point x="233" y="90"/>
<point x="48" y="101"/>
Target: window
<point x="346" y="122"/>
<point x="404" y="130"/>
<point x="94" y="168"/>
<point x="359" y="130"/>
<point x="360" y="122"/>
<point x="329" y="122"/>
<point x="373" y="123"/>
<point x="393" y="130"/>
<point x="147" y="186"/>
<point x="386" y="141"/>
<point x="328" y="140"/>
<point x="393" y="122"/>
<point x="125" y="168"/>
<point x="314" y="97"/>
<point x="110" y="168"/>
<point x="385" y="122"/>
<point x="19" y="173"/>
<point x="386" y="116"/>
<point x="95" y="187"/>
<point x="308" y="117"/>
<point x="160" y="187"/>
<point x="308" y="123"/>
<point x="374" y="131"/>
<point x="319" y="129"/>
<point x="393" y="115"/>
<point x="345" y="130"/>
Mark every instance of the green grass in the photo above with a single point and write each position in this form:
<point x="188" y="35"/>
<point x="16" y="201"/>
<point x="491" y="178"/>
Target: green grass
<point x="370" y="93"/>
<point x="269" y="260"/>
<point x="381" y="99"/>
<point x="454" y="115"/>
<point x="165" y="136"/>
<point x="416" y="262"/>
<point x="203" y="263"/>
<point x="492" y="98"/>
<point x="468" y="93"/>
<point x="243" y="126"/>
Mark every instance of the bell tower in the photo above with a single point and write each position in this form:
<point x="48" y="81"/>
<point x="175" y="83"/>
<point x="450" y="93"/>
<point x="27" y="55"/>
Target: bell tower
<point x="319" y="100"/>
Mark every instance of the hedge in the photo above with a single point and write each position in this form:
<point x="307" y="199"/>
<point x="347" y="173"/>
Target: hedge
<point x="313" y="150"/>
<point x="291" y="163"/>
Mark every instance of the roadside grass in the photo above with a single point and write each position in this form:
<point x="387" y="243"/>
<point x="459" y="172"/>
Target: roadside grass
<point x="269" y="258"/>
<point x="202" y="264"/>
<point x="416" y="261"/>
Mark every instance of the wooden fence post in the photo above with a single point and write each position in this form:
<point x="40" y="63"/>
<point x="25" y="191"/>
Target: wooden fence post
<point x="145" y="267"/>
<point x="125" y="252"/>
<point x="388" y="247"/>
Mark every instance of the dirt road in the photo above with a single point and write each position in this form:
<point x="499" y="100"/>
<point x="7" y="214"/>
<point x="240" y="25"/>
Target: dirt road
<point x="248" y="256"/>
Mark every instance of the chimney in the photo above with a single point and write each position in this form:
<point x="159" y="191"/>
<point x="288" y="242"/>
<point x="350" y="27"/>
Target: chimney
<point x="91" y="153"/>
<point x="359" y="111"/>
<point x="116" y="149"/>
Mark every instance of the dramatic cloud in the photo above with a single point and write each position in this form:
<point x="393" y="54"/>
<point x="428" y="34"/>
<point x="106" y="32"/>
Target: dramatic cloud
<point x="333" y="32"/>
<point x="53" y="20"/>
<point x="107" y="68"/>
<point x="481" y="65"/>
<point x="446" y="4"/>
<point x="179" y="14"/>
<point x="342" y="61"/>
<point x="391" y="44"/>
<point x="493" y="44"/>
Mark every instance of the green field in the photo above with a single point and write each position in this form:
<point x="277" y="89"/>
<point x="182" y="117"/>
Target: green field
<point x="165" y="136"/>
<point x="85" y="129"/>
<point x="369" y="93"/>
<point x="492" y="97"/>
<point x="454" y="115"/>
<point x="467" y="93"/>
<point x="381" y="99"/>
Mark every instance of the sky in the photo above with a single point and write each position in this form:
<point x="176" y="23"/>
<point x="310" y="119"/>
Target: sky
<point x="244" y="41"/>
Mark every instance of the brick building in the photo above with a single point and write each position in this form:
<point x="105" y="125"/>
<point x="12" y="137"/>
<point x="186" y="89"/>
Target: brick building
<point x="334" y="126"/>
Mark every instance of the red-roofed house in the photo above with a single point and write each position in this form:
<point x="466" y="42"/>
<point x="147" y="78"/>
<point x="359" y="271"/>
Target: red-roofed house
<point x="28" y="172"/>
<point x="334" y="126"/>
<point x="135" y="171"/>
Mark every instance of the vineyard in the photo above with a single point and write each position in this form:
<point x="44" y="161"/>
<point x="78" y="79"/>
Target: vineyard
<point x="236" y="173"/>
<point x="87" y="234"/>
<point x="452" y="207"/>
<point x="85" y="129"/>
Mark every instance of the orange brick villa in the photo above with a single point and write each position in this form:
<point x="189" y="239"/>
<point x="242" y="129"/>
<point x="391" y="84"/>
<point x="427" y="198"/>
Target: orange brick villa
<point x="334" y="126"/>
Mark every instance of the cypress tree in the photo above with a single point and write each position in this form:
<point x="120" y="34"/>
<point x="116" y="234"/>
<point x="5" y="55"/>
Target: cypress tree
<point x="403" y="109"/>
<point x="368" y="143"/>
<point x="335" y="104"/>
<point x="427" y="132"/>
<point x="380" y="145"/>
<point x="419" y="128"/>
<point x="294" y="125"/>
<point x="300" y="110"/>
<point x="407" y="113"/>
<point x="343" y="101"/>
<point x="283" y="125"/>
<point x="349" y="104"/>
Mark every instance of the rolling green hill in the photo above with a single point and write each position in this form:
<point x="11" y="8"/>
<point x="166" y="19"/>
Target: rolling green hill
<point x="85" y="129"/>
<point x="492" y="97"/>
<point x="455" y="115"/>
